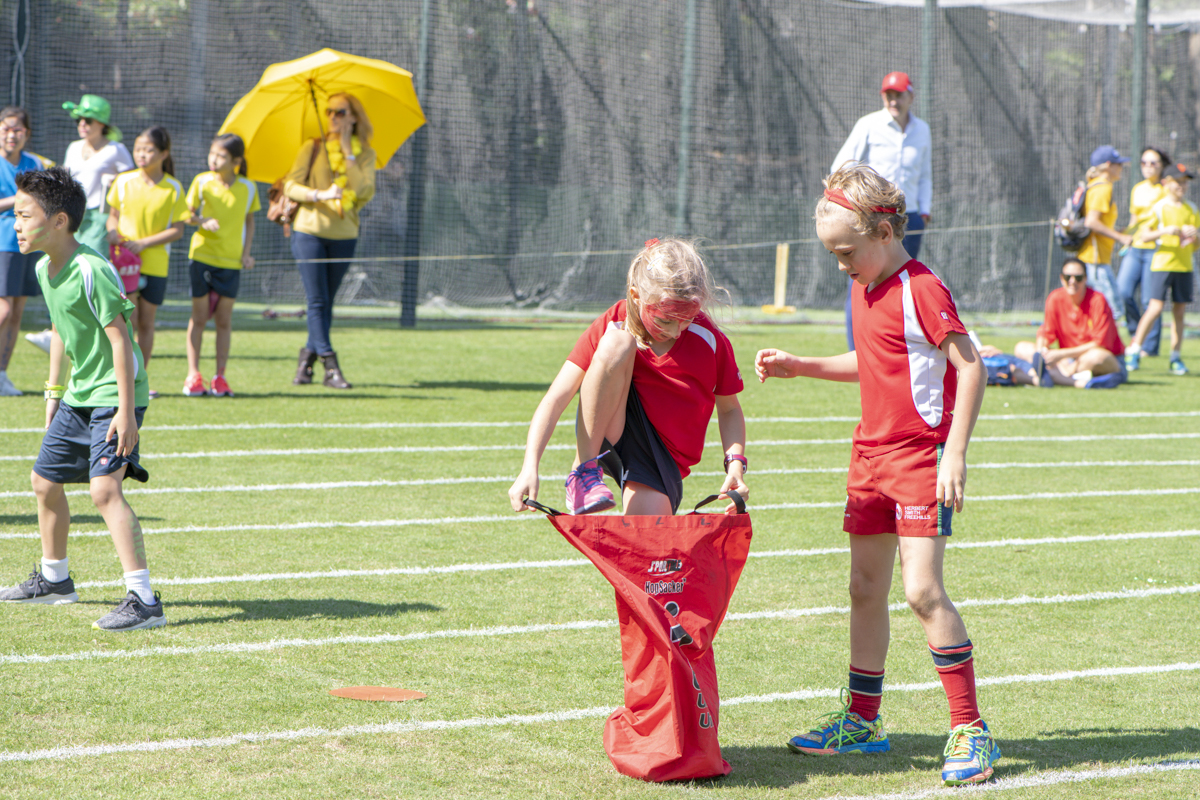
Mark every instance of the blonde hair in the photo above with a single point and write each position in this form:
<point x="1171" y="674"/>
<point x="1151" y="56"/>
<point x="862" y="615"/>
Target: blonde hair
<point x="363" y="128"/>
<point x="1096" y="172"/>
<point x="671" y="268"/>
<point x="866" y="190"/>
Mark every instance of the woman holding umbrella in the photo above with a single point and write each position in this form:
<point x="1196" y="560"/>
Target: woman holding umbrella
<point x="331" y="185"/>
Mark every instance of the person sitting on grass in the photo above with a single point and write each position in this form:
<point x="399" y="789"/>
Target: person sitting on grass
<point x="92" y="423"/>
<point x="1174" y="225"/>
<point x="1081" y="321"/>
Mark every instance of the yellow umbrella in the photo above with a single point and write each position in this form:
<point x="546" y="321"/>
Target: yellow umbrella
<point x="286" y="108"/>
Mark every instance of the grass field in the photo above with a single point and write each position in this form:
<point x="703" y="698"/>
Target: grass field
<point x="305" y="539"/>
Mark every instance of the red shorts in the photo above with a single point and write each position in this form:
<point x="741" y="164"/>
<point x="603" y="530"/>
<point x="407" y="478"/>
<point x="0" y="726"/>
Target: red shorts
<point x="896" y="493"/>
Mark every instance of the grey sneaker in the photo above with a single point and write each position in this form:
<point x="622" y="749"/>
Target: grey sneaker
<point x="39" y="590"/>
<point x="6" y="387"/>
<point x="131" y="614"/>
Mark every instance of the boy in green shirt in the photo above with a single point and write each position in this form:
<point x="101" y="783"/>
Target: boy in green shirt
<point x="92" y="424"/>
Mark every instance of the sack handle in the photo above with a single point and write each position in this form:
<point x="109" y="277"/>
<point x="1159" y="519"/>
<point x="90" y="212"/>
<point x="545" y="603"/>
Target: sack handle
<point x="738" y="502"/>
<point x="544" y="509"/>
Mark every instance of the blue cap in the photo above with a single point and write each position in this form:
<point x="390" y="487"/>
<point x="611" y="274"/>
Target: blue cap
<point x="1107" y="153"/>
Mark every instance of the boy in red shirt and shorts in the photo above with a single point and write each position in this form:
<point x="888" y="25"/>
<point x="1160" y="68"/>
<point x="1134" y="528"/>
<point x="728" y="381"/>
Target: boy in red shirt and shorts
<point x="915" y="365"/>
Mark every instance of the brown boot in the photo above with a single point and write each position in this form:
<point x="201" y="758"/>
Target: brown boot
<point x="333" y="373"/>
<point x="304" y="367"/>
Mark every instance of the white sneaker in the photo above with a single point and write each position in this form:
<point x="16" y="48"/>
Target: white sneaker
<point x="6" y="387"/>
<point x="40" y="340"/>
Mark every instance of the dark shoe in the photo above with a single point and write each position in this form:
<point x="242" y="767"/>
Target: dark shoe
<point x="39" y="590"/>
<point x="333" y="373"/>
<point x="304" y="367"/>
<point x="1043" y="371"/>
<point x="132" y="614"/>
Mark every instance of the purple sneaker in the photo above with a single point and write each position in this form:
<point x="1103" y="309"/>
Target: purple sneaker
<point x="586" y="492"/>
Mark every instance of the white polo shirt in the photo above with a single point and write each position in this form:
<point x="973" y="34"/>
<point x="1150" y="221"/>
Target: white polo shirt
<point x="904" y="157"/>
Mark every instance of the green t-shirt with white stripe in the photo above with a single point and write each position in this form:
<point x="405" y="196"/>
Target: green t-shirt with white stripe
<point x="84" y="297"/>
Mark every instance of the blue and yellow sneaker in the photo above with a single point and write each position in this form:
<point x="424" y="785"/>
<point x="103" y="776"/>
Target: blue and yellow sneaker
<point x="842" y="732"/>
<point x="1178" y="367"/>
<point x="1133" y="361"/>
<point x="970" y="754"/>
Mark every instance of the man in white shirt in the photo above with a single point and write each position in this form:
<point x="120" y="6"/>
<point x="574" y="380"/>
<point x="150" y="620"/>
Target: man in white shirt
<point x="897" y="145"/>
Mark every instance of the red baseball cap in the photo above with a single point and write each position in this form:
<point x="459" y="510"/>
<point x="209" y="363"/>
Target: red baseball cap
<point x="897" y="82"/>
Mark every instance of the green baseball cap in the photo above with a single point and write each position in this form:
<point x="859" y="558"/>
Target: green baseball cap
<point x="93" y="106"/>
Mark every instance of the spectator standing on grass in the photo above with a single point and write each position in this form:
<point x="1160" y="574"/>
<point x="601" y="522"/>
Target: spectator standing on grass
<point x="1174" y="227"/>
<point x="331" y="180"/>
<point x="17" y="280"/>
<point x="221" y="205"/>
<point x="1079" y="319"/>
<point x="148" y="207"/>
<point x="91" y="423"/>
<point x="1135" y="264"/>
<point x="1100" y="217"/>
<point x="95" y="160"/>
<point x="897" y="144"/>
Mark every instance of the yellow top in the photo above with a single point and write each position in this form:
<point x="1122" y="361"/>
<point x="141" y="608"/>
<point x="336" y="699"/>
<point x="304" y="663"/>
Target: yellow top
<point x="146" y="210"/>
<point x="1098" y="248"/>
<point x="1171" y="256"/>
<point x="1142" y="198"/>
<point x="322" y="218"/>
<point x="229" y="205"/>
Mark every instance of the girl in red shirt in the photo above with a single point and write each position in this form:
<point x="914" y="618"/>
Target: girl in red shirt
<point x="649" y="372"/>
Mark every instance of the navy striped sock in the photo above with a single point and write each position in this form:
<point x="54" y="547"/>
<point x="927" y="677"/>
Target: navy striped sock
<point x="866" y="692"/>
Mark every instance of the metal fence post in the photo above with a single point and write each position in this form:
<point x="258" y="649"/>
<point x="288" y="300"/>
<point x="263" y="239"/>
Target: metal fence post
<point x="416" y="188"/>
<point x="685" y="117"/>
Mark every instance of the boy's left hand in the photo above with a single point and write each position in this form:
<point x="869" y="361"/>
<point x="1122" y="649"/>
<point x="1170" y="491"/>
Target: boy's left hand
<point x="952" y="480"/>
<point x="124" y="425"/>
<point x="247" y="262"/>
<point x="734" y="481"/>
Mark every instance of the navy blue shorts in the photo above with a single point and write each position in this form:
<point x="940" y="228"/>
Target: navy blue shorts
<point x="153" y="289"/>
<point x="207" y="278"/>
<point x="1176" y="285"/>
<point x="17" y="278"/>
<point x="74" y="450"/>
<point x="644" y="457"/>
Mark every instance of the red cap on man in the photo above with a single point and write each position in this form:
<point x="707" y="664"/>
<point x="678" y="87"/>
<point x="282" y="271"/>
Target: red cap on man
<point x="897" y="82"/>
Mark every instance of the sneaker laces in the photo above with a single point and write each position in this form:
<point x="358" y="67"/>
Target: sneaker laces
<point x="592" y="476"/>
<point x="959" y="743"/>
<point x="836" y="720"/>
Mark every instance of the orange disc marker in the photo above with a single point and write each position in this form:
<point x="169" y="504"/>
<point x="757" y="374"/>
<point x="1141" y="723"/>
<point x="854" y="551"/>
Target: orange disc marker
<point x="377" y="693"/>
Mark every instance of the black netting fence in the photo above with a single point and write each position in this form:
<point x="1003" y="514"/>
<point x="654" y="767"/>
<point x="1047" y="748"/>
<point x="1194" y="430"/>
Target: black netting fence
<point x="563" y="133"/>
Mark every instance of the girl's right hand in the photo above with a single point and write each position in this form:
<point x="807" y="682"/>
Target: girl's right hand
<point x="526" y="485"/>
<point x="211" y="224"/>
<point x="774" y="364"/>
<point x="133" y="245"/>
<point x="114" y="237"/>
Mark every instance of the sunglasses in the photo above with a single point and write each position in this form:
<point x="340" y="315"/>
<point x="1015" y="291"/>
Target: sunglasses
<point x="337" y="112"/>
<point x="1076" y="278"/>
<point x="88" y="120"/>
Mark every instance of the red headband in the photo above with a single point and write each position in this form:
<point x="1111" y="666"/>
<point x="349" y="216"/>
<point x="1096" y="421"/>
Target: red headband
<point x="839" y="197"/>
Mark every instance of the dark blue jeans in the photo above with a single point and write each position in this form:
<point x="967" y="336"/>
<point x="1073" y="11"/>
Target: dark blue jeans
<point x="912" y="246"/>
<point x="321" y="281"/>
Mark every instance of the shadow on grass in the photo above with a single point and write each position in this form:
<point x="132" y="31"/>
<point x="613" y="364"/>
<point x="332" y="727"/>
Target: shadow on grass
<point x="352" y="394"/>
<point x="250" y="610"/>
<point x="76" y="519"/>
<point x="482" y="386"/>
<point x="1050" y="750"/>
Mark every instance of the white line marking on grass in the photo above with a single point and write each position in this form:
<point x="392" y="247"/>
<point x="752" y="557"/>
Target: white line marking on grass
<point x="252" y="426"/>
<point x="480" y="448"/>
<point x="517" y="630"/>
<point x="85" y="751"/>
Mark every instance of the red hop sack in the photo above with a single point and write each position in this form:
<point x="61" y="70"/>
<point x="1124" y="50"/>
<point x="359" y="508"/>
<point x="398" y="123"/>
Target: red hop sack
<point x="128" y="264"/>
<point x="674" y="577"/>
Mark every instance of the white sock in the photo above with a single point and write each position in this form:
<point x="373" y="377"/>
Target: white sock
<point x="1132" y="349"/>
<point x="138" y="582"/>
<point x="1175" y="355"/>
<point x="54" y="571"/>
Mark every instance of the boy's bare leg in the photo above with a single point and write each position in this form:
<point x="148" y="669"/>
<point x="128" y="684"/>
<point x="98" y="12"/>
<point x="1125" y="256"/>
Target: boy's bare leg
<point x="872" y="560"/>
<point x="921" y="560"/>
<point x="223" y="320"/>
<point x="54" y="517"/>
<point x="196" y="333"/>
<point x="1153" y="310"/>
<point x="1177" y="312"/>
<point x="603" y="394"/>
<point x="122" y="523"/>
